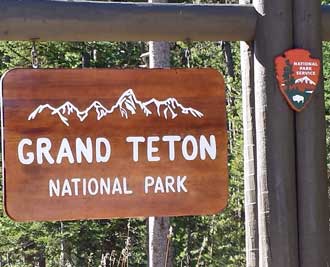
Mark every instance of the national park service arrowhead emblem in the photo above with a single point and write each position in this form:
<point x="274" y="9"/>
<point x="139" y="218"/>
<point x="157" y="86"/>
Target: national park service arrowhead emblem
<point x="297" y="75"/>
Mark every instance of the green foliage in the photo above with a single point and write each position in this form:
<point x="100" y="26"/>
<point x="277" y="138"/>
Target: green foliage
<point x="326" y="72"/>
<point x="216" y="240"/>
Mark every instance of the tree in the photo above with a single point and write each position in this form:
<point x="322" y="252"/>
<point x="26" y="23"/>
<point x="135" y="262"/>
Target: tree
<point x="288" y="75"/>
<point x="159" y="57"/>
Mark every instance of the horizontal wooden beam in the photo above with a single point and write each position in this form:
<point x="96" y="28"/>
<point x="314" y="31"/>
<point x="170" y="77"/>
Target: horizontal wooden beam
<point x="59" y="20"/>
<point x="325" y="22"/>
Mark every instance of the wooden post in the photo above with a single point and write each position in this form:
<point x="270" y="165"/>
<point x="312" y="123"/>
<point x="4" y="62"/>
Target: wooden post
<point x="277" y="216"/>
<point x="325" y="12"/>
<point x="325" y="22"/>
<point x="250" y="175"/>
<point x="312" y="184"/>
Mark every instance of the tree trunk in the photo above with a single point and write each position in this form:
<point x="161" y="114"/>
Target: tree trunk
<point x="250" y="176"/>
<point x="228" y="58"/>
<point x="62" y="247"/>
<point x="313" y="213"/>
<point x="275" y="140"/>
<point x="41" y="259"/>
<point x="158" y="250"/>
<point x="159" y="57"/>
<point x="85" y="60"/>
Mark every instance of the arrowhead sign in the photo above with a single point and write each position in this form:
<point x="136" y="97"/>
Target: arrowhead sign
<point x="297" y="74"/>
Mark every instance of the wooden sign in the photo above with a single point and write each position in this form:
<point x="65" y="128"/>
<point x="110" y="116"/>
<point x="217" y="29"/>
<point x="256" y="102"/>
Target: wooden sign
<point x="92" y="144"/>
<point x="297" y="74"/>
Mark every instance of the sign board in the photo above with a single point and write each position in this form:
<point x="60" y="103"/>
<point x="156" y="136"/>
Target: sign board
<point x="297" y="75"/>
<point x="100" y="143"/>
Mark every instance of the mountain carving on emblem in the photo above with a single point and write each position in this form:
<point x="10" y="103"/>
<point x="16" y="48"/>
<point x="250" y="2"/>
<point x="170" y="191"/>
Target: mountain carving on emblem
<point x="305" y="80"/>
<point x="127" y="104"/>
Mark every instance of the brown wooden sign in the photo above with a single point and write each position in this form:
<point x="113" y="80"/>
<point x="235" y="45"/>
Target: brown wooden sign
<point x="92" y="144"/>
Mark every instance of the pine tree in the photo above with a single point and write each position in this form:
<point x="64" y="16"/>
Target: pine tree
<point x="288" y="75"/>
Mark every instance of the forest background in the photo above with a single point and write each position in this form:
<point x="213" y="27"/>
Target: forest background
<point x="217" y="240"/>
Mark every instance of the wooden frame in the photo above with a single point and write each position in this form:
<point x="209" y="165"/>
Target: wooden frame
<point x="101" y="21"/>
<point x="58" y="20"/>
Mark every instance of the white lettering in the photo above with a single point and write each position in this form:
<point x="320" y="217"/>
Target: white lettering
<point x="43" y="147"/>
<point x="84" y="149"/>
<point x="116" y="188"/>
<point x="159" y="187"/>
<point x="84" y="187"/>
<point x="189" y="139"/>
<point x="88" y="186"/>
<point x="148" y="182"/>
<point x="93" y="186"/>
<point x="135" y="140"/>
<point x="29" y="155"/>
<point x="127" y="191"/>
<point x="151" y="149"/>
<point x="169" y="182"/>
<point x="180" y="184"/>
<point x="66" y="189"/>
<point x="171" y="148"/>
<point x="54" y="188"/>
<point x="99" y="156"/>
<point x="64" y="152"/>
<point x="75" y="182"/>
<point x="105" y="186"/>
<point x="209" y="147"/>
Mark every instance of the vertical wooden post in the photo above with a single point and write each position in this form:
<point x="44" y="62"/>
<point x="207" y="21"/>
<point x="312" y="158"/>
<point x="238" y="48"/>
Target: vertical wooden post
<point x="311" y="147"/>
<point x="277" y="215"/>
<point x="250" y="175"/>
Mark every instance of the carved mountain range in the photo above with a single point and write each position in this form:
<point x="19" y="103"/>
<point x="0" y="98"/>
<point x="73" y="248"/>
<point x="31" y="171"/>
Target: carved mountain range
<point x="127" y="105"/>
<point x="305" y="80"/>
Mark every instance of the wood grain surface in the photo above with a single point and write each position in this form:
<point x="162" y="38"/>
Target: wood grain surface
<point x="109" y="21"/>
<point x="53" y="104"/>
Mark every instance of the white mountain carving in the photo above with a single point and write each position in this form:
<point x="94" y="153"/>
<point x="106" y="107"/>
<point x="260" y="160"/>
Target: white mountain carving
<point x="127" y="102"/>
<point x="306" y="80"/>
<point x="55" y="111"/>
<point x="101" y="111"/>
<point x="127" y="105"/>
<point x="171" y="105"/>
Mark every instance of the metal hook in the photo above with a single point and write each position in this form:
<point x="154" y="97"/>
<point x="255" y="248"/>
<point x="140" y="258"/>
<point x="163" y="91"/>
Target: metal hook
<point x="34" y="56"/>
<point x="187" y="56"/>
<point x="187" y="52"/>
